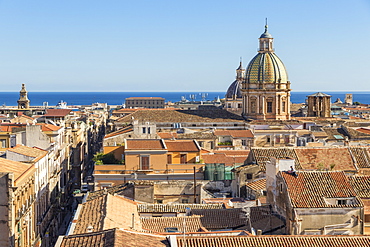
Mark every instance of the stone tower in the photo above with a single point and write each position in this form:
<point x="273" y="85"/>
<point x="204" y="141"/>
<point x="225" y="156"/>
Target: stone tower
<point x="23" y="102"/>
<point x="266" y="88"/>
<point x="319" y="105"/>
<point x="348" y="99"/>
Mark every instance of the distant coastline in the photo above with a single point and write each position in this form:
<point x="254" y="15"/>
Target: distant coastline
<point x="118" y="98"/>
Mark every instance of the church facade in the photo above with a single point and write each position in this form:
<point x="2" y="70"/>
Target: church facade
<point x="264" y="87"/>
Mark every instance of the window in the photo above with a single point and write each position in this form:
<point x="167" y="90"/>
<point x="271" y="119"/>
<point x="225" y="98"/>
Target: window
<point x="283" y="106"/>
<point x="229" y="105"/>
<point x="253" y="106"/>
<point x="2" y="143"/>
<point x="144" y="162"/>
<point x="287" y="139"/>
<point x="277" y="139"/>
<point x="171" y="229"/>
<point x="342" y="202"/>
<point x="169" y="159"/>
<point x="159" y="201"/>
<point x="249" y="176"/>
<point x="183" y="159"/>
<point x="144" y="130"/>
<point x="244" y="142"/>
<point x="268" y="139"/>
<point x="201" y="143"/>
<point x="269" y="107"/>
<point x="148" y="130"/>
<point x="185" y="201"/>
<point x="239" y="105"/>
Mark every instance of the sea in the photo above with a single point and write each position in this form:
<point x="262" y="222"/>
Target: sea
<point x="118" y="98"/>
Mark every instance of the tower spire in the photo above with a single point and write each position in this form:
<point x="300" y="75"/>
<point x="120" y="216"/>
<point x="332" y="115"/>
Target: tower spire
<point x="266" y="26"/>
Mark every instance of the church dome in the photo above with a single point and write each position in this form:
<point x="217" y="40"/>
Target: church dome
<point x="266" y="35"/>
<point x="266" y="68"/>
<point x="234" y="90"/>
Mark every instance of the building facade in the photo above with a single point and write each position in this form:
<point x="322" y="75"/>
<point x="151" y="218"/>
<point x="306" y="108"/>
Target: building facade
<point x="145" y="102"/>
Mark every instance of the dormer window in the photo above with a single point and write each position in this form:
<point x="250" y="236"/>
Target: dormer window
<point x="341" y="202"/>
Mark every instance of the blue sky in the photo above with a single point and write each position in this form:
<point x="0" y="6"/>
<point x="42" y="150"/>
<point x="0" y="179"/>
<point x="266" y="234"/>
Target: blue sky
<point x="179" y="45"/>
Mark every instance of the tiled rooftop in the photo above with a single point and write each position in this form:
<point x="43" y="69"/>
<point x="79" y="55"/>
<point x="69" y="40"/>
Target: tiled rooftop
<point x="57" y="112"/>
<point x="361" y="184"/>
<point x="114" y="238"/>
<point x="235" y="133"/>
<point x="361" y="156"/>
<point x="167" y="135"/>
<point x="28" y="151"/>
<point x="182" y="116"/>
<point x="145" y="144"/>
<point x="49" y="127"/>
<point x="257" y="185"/>
<point x="105" y="212"/>
<point x="222" y="158"/>
<point x="117" y="189"/>
<point x="181" y="146"/>
<point x="174" y="208"/>
<point x="15" y="167"/>
<point x="274" y="241"/>
<point x="310" y="188"/>
<point x="159" y="224"/>
<point x="338" y="158"/>
<point x="263" y="155"/>
<point x="220" y="218"/>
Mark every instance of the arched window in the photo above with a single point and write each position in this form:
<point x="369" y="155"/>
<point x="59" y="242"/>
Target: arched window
<point x="253" y="105"/>
<point x="269" y="102"/>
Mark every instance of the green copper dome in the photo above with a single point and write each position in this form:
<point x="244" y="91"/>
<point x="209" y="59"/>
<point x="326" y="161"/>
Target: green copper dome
<point x="266" y="68"/>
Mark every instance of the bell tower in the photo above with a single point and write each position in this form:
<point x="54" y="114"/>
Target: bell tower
<point x="23" y="102"/>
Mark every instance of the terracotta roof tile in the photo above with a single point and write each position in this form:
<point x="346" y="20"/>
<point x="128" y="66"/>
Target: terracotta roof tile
<point x="257" y="185"/>
<point x="263" y="155"/>
<point x="361" y="156"/>
<point x="273" y="241"/>
<point x="167" y="135"/>
<point x="181" y="146"/>
<point x="174" y="208"/>
<point x="15" y="167"/>
<point x="107" y="211"/>
<point x="338" y="158"/>
<point x="310" y="188"/>
<point x="235" y="133"/>
<point x="182" y="116"/>
<point x="159" y="224"/>
<point x="222" y="158"/>
<point x="36" y="153"/>
<point x="6" y="127"/>
<point x="220" y="218"/>
<point x="361" y="184"/>
<point x="49" y="127"/>
<point x="364" y="130"/>
<point x="114" y="238"/>
<point x="145" y="144"/>
<point x="57" y="112"/>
